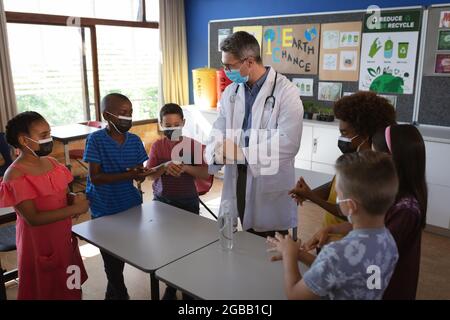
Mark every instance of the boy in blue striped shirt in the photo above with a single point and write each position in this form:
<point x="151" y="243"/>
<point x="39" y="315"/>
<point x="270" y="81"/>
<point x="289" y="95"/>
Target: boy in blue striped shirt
<point x="115" y="159"/>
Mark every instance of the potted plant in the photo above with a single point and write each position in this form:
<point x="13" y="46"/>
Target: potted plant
<point x="325" y="114"/>
<point x="309" y="110"/>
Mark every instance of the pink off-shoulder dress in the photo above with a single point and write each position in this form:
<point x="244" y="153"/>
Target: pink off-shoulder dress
<point x="48" y="256"/>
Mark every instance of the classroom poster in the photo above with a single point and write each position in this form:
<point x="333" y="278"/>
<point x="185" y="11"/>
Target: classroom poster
<point x="444" y="40"/>
<point x="292" y="49"/>
<point x="442" y="63"/>
<point x="444" y="21"/>
<point x="222" y="34"/>
<point x="305" y="86"/>
<point x="339" y="51"/>
<point x="389" y="53"/>
<point x="392" y="99"/>
<point x="329" y="91"/>
<point x="256" y="31"/>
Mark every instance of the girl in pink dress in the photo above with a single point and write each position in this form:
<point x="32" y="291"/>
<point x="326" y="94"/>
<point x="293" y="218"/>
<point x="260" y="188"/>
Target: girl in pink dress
<point x="48" y="258"/>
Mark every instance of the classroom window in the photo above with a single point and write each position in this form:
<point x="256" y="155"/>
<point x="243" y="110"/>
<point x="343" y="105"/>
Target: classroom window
<point x="152" y="10"/>
<point x="128" y="61"/>
<point x="54" y="64"/>
<point x="102" y="9"/>
<point x="46" y="65"/>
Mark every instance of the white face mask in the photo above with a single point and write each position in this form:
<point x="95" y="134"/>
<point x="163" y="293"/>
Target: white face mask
<point x="349" y="216"/>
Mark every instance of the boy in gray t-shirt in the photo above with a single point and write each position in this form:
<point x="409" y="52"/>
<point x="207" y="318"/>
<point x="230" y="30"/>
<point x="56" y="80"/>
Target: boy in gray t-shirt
<point x="360" y="265"/>
<point x="343" y="269"/>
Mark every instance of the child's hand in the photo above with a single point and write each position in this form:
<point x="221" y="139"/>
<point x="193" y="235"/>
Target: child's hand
<point x="140" y="173"/>
<point x="279" y="257"/>
<point x="70" y="198"/>
<point x="81" y="206"/>
<point x="174" y="169"/>
<point x="284" y="245"/>
<point x="301" y="192"/>
<point x="78" y="198"/>
<point x="296" y="197"/>
<point x="319" y="239"/>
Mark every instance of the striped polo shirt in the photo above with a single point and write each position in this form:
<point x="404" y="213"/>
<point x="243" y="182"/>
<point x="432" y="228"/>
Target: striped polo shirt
<point x="188" y="151"/>
<point x="113" y="157"/>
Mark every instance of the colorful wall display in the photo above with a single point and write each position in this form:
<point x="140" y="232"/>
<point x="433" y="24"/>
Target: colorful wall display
<point x="392" y="99"/>
<point x="305" y="86"/>
<point x="444" y="21"/>
<point x="329" y="91"/>
<point x="292" y="49"/>
<point x="389" y="52"/>
<point x="256" y="31"/>
<point x="444" y="40"/>
<point x="222" y="34"/>
<point x="339" y="51"/>
<point x="442" y="63"/>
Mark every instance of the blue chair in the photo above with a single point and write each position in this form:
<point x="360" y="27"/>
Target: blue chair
<point x="7" y="243"/>
<point x="5" y="151"/>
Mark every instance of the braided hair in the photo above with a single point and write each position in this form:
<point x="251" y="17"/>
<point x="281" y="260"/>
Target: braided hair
<point x="21" y="123"/>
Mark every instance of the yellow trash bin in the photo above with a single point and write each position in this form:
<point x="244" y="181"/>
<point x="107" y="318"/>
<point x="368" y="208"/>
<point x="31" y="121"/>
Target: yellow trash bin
<point x="205" y="87"/>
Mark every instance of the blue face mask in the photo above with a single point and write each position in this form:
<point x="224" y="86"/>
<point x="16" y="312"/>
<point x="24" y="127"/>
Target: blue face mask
<point x="235" y="76"/>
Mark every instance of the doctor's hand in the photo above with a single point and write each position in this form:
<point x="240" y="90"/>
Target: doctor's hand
<point x="231" y="151"/>
<point x="301" y="192"/>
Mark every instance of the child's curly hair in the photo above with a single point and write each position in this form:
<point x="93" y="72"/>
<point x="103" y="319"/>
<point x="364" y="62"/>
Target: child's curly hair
<point x="365" y="111"/>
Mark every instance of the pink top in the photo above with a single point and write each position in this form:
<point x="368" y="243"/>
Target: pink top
<point x="191" y="152"/>
<point x="45" y="252"/>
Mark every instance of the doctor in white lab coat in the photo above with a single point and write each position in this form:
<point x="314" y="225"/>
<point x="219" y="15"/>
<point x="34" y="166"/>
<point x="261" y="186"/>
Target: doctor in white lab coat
<point x="256" y="136"/>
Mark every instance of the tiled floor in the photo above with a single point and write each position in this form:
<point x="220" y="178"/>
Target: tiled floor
<point x="434" y="281"/>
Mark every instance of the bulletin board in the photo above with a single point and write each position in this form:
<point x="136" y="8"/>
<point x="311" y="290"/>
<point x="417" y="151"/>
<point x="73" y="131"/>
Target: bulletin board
<point x="434" y="106"/>
<point x="340" y="51"/>
<point x="404" y="102"/>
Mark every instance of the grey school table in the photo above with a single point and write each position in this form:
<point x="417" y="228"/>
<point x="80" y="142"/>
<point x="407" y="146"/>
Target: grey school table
<point x="243" y="273"/>
<point x="68" y="133"/>
<point x="150" y="236"/>
<point x="313" y="178"/>
<point x="7" y="215"/>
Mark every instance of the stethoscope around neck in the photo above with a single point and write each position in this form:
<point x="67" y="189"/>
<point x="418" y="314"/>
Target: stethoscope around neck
<point x="270" y="100"/>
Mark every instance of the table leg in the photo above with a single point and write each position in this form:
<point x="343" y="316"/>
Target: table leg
<point x="67" y="160"/>
<point x="2" y="284"/>
<point x="66" y="155"/>
<point x="294" y="234"/>
<point x="154" y="285"/>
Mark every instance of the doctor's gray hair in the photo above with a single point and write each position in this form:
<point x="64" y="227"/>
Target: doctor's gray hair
<point x="242" y="45"/>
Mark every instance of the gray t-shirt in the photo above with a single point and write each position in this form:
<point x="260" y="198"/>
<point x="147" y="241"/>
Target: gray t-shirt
<point x="358" y="267"/>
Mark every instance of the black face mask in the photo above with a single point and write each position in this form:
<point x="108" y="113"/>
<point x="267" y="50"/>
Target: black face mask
<point x="173" y="134"/>
<point x="45" y="147"/>
<point x="345" y="144"/>
<point x="123" y="125"/>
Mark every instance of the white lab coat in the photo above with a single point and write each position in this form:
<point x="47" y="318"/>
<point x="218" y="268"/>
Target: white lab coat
<point x="268" y="205"/>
